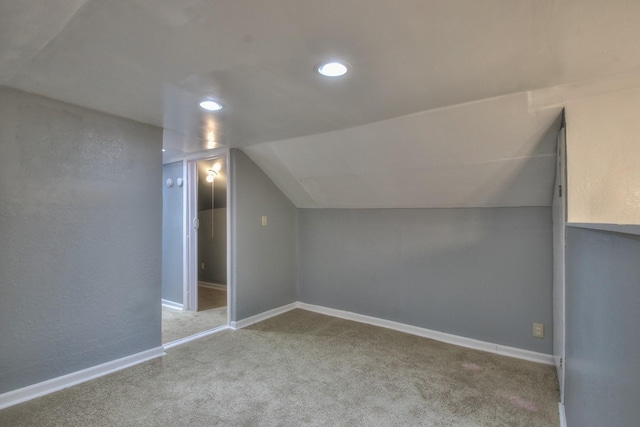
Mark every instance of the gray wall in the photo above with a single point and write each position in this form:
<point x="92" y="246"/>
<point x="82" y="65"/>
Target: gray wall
<point x="479" y="273"/>
<point x="212" y="250"/>
<point x="172" y="233"/>
<point x="265" y="257"/>
<point x="80" y="238"/>
<point x="602" y="378"/>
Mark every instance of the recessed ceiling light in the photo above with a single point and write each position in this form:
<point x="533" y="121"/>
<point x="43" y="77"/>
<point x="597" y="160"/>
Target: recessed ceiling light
<point x="333" y="69"/>
<point x="163" y="150"/>
<point x="210" y="105"/>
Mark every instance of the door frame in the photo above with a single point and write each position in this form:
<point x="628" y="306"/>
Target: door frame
<point x="559" y="216"/>
<point x="190" y="241"/>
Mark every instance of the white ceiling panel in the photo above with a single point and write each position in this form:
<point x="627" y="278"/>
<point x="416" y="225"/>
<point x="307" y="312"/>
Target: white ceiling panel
<point x="436" y="92"/>
<point x="152" y="60"/>
<point x="496" y="152"/>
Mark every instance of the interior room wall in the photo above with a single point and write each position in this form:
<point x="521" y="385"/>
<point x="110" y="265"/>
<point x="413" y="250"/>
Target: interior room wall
<point x="265" y="257"/>
<point x="603" y="146"/>
<point x="172" y="233"/>
<point x="479" y="273"/>
<point x="212" y="248"/>
<point x="602" y="365"/>
<point x="80" y="233"/>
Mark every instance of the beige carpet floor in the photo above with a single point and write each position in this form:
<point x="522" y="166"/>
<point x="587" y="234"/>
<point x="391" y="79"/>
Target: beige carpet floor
<point x="177" y="324"/>
<point x="212" y="312"/>
<point x="302" y="368"/>
<point x="211" y="298"/>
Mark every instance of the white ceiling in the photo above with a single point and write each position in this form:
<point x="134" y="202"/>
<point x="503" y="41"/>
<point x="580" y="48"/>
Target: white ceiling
<point x="442" y="106"/>
<point x="489" y="153"/>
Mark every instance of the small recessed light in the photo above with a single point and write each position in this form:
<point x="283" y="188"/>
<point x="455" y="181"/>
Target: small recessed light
<point x="210" y="105"/>
<point x="163" y="150"/>
<point x="333" y="69"/>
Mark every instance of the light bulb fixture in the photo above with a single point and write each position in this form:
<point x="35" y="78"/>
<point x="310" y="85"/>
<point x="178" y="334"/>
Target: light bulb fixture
<point x="333" y="69"/>
<point x="211" y="175"/>
<point x="216" y="168"/>
<point x="210" y="105"/>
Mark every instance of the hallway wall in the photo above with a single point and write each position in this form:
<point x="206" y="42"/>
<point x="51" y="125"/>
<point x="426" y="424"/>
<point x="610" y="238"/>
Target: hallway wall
<point x="172" y="233"/>
<point x="212" y="250"/>
<point x="80" y="238"/>
<point x="265" y="257"/>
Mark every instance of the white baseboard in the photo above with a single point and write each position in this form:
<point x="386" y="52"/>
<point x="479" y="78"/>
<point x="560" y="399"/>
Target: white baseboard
<point x="262" y="316"/>
<point x="172" y="304"/>
<point x="431" y="334"/>
<point x="24" y="394"/>
<point x="217" y="286"/>
<point x="563" y="416"/>
<point x="194" y="337"/>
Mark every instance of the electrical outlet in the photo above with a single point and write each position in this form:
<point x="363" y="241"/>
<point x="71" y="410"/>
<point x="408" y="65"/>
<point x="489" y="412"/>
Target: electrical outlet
<point x="264" y="220"/>
<point x="202" y="266"/>
<point x="538" y="330"/>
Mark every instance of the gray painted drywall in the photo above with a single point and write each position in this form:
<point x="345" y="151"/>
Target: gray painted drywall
<point x="602" y="377"/>
<point x="479" y="273"/>
<point x="172" y="233"/>
<point x="80" y="238"/>
<point x="212" y="249"/>
<point x="265" y="257"/>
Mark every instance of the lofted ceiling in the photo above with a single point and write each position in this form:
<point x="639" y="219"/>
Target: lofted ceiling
<point x="449" y="103"/>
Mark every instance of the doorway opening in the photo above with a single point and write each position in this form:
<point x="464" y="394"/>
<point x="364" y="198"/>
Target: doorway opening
<point x="211" y="214"/>
<point x="205" y="249"/>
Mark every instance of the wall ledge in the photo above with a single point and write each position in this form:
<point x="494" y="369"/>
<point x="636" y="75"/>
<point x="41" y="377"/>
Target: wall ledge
<point x="563" y="416"/>
<point x="24" y="394"/>
<point x="503" y="350"/>
<point x="616" y="228"/>
<point x="172" y="304"/>
<point x="21" y="395"/>
<point x="262" y="316"/>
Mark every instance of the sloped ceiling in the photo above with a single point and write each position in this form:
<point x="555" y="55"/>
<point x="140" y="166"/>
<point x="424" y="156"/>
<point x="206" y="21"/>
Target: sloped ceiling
<point x="489" y="153"/>
<point x="448" y="102"/>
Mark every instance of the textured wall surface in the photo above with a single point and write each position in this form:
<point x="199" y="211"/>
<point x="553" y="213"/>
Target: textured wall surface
<point x="479" y="273"/>
<point x="603" y="149"/>
<point x="212" y="248"/>
<point x="172" y="233"/>
<point x="265" y="257"/>
<point x="80" y="238"/>
<point x="602" y="376"/>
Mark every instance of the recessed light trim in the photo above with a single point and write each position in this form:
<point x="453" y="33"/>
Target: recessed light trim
<point x="210" y="105"/>
<point x="333" y="69"/>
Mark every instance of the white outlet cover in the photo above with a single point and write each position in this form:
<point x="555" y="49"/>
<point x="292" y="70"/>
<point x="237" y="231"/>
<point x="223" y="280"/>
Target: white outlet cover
<point x="538" y="330"/>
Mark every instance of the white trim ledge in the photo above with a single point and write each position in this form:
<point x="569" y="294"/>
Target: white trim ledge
<point x="517" y="353"/>
<point x="194" y="337"/>
<point x="24" y="394"/>
<point x="563" y="415"/>
<point x="172" y="304"/>
<point x="218" y="286"/>
<point x="263" y="316"/>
